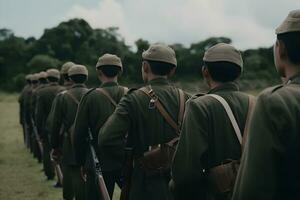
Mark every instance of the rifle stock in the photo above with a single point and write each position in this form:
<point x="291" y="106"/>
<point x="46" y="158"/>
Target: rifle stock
<point x="99" y="177"/>
<point x="37" y="137"/>
<point x="128" y="173"/>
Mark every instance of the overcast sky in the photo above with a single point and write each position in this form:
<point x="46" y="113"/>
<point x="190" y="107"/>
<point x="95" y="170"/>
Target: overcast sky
<point x="249" y="23"/>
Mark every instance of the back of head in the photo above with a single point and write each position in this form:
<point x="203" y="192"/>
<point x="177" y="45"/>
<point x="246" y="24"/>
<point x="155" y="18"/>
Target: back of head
<point x="161" y="58"/>
<point x="78" y="74"/>
<point x="224" y="62"/>
<point x="110" y="65"/>
<point x="53" y="75"/>
<point x="65" y="68"/>
<point x="289" y="34"/>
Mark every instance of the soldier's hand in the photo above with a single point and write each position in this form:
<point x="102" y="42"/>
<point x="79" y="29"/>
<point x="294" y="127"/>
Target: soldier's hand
<point x="55" y="154"/>
<point x="83" y="173"/>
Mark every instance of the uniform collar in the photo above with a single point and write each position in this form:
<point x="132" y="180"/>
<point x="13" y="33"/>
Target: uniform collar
<point x="78" y="86"/>
<point x="109" y="84"/>
<point x="295" y="79"/>
<point x="231" y="86"/>
<point x="159" y="81"/>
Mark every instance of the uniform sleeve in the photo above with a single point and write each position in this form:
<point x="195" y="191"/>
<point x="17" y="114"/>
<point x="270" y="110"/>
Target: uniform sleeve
<point x="39" y="116"/>
<point x="187" y="166"/>
<point x="54" y="121"/>
<point x="81" y="128"/>
<point x="261" y="158"/>
<point x="112" y="134"/>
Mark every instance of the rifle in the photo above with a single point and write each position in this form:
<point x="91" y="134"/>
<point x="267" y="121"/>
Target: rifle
<point x="58" y="170"/>
<point x="37" y="137"/>
<point x="97" y="168"/>
<point x="127" y="174"/>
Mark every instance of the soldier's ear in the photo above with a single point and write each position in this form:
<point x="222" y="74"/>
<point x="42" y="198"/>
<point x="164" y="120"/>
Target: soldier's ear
<point x="146" y="67"/>
<point x="282" y="51"/>
<point x="172" y="72"/>
<point x="205" y="72"/>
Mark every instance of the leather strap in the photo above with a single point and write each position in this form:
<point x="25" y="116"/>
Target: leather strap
<point x="149" y="92"/>
<point x="251" y="103"/>
<point x="230" y="115"/>
<point x="73" y="98"/>
<point x="105" y="93"/>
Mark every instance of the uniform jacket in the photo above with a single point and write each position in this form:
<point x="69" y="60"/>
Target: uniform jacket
<point x="145" y="127"/>
<point x="271" y="162"/>
<point x="207" y="139"/>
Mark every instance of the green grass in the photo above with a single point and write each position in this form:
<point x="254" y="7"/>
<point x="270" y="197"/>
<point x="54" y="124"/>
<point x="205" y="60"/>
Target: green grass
<point x="20" y="175"/>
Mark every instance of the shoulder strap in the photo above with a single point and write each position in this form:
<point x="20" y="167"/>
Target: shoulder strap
<point x="125" y="90"/>
<point x="73" y="98"/>
<point x="181" y="107"/>
<point x="230" y="115"/>
<point x="149" y="92"/>
<point x="105" y="93"/>
<point x="251" y="103"/>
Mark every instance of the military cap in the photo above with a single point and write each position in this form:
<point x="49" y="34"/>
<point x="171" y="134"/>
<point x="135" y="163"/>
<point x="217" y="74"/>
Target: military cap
<point x="43" y="75"/>
<point x="35" y="77"/>
<point x="109" y="59"/>
<point x="78" y="70"/>
<point x="53" y="73"/>
<point x="160" y="52"/>
<point x="290" y="24"/>
<point x="28" y="77"/>
<point x="65" y="68"/>
<point x="223" y="52"/>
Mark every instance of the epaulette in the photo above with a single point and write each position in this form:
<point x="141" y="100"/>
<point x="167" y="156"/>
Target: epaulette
<point x="195" y="96"/>
<point x="276" y="88"/>
<point x="271" y="90"/>
<point x="62" y="92"/>
<point x="131" y="90"/>
<point x="88" y="92"/>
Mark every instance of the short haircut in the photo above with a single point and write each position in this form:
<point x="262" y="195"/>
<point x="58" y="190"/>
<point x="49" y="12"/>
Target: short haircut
<point x="52" y="79"/>
<point x="34" y="82"/>
<point x="291" y="41"/>
<point x="109" y="70"/>
<point x="223" y="71"/>
<point x="78" y="78"/>
<point x="66" y="77"/>
<point x="160" y="68"/>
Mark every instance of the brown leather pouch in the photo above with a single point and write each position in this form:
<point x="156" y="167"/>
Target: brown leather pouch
<point x="159" y="159"/>
<point x="222" y="177"/>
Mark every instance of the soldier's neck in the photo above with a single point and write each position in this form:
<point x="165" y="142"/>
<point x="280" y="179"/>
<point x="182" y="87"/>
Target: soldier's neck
<point x="292" y="71"/>
<point x="152" y="77"/>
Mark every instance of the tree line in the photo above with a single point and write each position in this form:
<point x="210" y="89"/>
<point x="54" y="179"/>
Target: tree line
<point x="76" y="41"/>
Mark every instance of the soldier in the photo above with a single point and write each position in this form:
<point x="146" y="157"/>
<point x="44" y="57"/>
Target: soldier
<point x="209" y="141"/>
<point x="29" y="112"/>
<point x="42" y="82"/>
<point x="271" y="162"/>
<point x="45" y="98"/>
<point x="149" y="118"/>
<point x="22" y="106"/>
<point x="95" y="107"/>
<point x="67" y="83"/>
<point x="63" y="112"/>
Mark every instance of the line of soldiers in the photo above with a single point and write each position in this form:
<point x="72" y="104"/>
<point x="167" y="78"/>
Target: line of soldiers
<point x="158" y="142"/>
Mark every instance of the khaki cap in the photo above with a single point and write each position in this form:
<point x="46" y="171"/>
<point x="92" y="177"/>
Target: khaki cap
<point x="28" y="77"/>
<point x="43" y="75"/>
<point x="160" y="52"/>
<point x="65" y="68"/>
<point x="223" y="52"/>
<point x="290" y="24"/>
<point x="78" y="70"/>
<point x="35" y="77"/>
<point x="109" y="59"/>
<point x="53" y="73"/>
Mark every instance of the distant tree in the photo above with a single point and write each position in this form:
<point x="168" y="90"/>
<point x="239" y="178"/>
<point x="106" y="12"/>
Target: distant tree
<point x="42" y="62"/>
<point x="5" y="33"/>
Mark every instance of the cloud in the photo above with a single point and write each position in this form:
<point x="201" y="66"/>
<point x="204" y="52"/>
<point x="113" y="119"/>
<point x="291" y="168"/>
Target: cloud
<point x="187" y="21"/>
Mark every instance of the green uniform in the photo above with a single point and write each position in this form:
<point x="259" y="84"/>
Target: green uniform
<point x="270" y="164"/>
<point x="207" y="139"/>
<point x="93" y="111"/>
<point x="63" y="114"/>
<point x="45" y="98"/>
<point x="36" y="150"/>
<point x="22" y="110"/>
<point x="145" y="127"/>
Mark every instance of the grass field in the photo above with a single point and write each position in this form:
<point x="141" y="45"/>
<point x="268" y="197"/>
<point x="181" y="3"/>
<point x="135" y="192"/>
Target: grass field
<point x="21" y="176"/>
